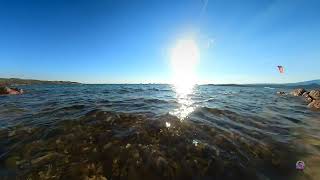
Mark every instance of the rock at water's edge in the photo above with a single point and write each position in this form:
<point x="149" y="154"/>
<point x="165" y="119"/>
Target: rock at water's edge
<point x="315" y="94"/>
<point x="315" y="105"/>
<point x="281" y="93"/>
<point x="298" y="92"/>
<point x="308" y="99"/>
<point x="7" y="90"/>
<point x="305" y="94"/>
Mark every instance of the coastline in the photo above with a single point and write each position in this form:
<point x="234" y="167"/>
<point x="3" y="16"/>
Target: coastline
<point x="20" y="82"/>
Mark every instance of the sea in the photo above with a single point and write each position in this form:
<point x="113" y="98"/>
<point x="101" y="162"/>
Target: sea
<point x="157" y="131"/>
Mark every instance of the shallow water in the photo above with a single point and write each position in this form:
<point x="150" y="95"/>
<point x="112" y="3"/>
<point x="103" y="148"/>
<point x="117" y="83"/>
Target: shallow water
<point x="157" y="132"/>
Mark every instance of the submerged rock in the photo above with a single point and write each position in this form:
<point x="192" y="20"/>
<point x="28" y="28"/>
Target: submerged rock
<point x="298" y="92"/>
<point x="7" y="90"/>
<point x="315" y="105"/>
<point x="107" y="146"/>
<point x="50" y="156"/>
<point x="161" y="163"/>
<point x="315" y="94"/>
<point x="11" y="133"/>
<point x="128" y="146"/>
<point x="98" y="177"/>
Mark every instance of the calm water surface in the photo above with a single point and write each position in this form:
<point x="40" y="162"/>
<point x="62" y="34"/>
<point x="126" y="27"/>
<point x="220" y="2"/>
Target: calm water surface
<point x="156" y="132"/>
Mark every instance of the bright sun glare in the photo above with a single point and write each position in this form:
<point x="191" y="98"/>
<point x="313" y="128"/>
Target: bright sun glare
<point x="184" y="58"/>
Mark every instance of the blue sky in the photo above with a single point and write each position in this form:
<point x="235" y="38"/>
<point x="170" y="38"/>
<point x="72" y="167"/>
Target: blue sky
<point x="109" y="41"/>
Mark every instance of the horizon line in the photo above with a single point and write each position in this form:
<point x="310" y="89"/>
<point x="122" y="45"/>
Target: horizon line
<point x="96" y="83"/>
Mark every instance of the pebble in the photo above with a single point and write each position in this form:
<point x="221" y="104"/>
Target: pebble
<point x="107" y="146"/>
<point x="85" y="148"/>
<point x="44" y="158"/>
<point x="109" y="119"/>
<point x="12" y="133"/>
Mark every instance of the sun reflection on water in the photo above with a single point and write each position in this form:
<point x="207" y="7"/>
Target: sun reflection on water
<point x="183" y="95"/>
<point x="184" y="57"/>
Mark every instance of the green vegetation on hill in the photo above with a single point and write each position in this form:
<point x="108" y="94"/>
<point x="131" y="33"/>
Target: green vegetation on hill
<point x="17" y="81"/>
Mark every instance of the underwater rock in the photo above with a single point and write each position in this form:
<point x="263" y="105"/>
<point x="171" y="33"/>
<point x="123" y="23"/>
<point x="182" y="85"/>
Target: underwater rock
<point x="315" y="105"/>
<point x="298" y="92"/>
<point x="45" y="158"/>
<point x="98" y="177"/>
<point x="58" y="141"/>
<point x="29" y="130"/>
<point x="161" y="163"/>
<point x="85" y="149"/>
<point x="7" y="90"/>
<point x="94" y="172"/>
<point x="315" y="94"/>
<point x="136" y="155"/>
<point x="11" y="133"/>
<point x="115" y="167"/>
<point x="107" y="146"/>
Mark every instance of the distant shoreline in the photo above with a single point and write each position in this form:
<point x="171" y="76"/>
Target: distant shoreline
<point x="19" y="82"/>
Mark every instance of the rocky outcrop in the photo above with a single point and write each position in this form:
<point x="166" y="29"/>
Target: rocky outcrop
<point x="315" y="105"/>
<point x="312" y="97"/>
<point x="7" y="90"/>
<point x="315" y="94"/>
<point x="298" y="92"/>
<point x="17" y="81"/>
<point x="307" y="97"/>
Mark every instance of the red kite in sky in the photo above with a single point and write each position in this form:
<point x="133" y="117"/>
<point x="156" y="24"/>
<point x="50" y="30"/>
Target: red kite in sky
<point x="281" y="69"/>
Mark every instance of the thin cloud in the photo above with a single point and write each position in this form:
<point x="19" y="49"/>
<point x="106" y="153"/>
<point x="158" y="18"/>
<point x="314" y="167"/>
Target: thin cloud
<point x="204" y="6"/>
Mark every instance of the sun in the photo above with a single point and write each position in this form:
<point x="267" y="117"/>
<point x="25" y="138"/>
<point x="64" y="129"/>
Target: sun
<point x="184" y="57"/>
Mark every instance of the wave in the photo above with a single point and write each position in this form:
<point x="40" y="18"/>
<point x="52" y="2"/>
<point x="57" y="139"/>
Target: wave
<point x="122" y="131"/>
<point x="268" y="87"/>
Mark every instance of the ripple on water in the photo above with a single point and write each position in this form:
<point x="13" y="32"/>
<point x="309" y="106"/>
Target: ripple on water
<point x="254" y="136"/>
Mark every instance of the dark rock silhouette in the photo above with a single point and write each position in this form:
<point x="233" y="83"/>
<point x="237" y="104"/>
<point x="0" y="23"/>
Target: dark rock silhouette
<point x="7" y="90"/>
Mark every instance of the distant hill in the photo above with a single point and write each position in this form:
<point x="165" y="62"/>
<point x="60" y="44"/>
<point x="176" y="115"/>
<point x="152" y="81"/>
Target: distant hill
<point x="17" y="81"/>
<point x="304" y="84"/>
<point x="312" y="82"/>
